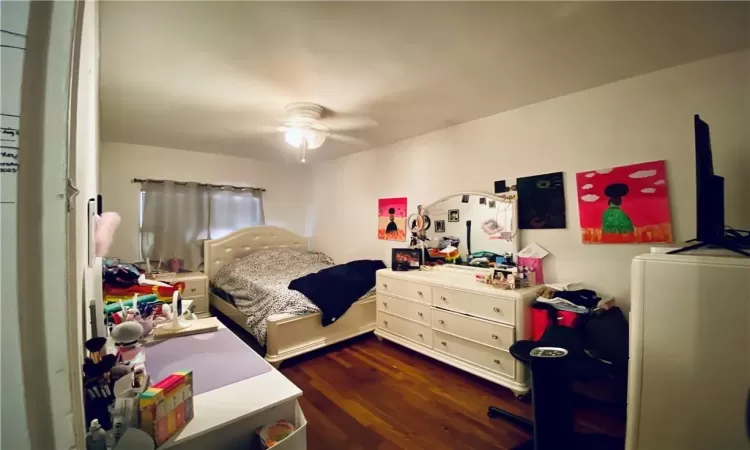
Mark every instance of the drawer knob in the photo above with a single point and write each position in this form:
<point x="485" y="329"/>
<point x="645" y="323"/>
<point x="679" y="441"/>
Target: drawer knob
<point x="385" y="304"/>
<point x="192" y="290"/>
<point x="420" y="335"/>
<point x="385" y="286"/>
<point x="419" y="293"/>
<point x="497" y="361"/>
<point x="496" y="309"/>
<point x="494" y="336"/>
<point x="441" y="322"/>
<point x="420" y="314"/>
<point x="444" y="343"/>
<point x="385" y="322"/>
<point x="442" y="297"/>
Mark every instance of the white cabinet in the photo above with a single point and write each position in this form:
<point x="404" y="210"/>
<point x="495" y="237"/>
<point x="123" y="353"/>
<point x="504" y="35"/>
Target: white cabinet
<point x="447" y="315"/>
<point x="689" y="368"/>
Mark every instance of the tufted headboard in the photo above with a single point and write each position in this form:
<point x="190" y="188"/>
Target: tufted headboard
<point x="218" y="252"/>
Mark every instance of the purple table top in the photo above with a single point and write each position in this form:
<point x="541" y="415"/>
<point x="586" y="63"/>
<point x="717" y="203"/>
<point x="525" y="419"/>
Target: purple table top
<point x="217" y="359"/>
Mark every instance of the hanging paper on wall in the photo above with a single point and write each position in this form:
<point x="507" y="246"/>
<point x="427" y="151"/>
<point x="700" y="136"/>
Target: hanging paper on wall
<point x="626" y="204"/>
<point x="392" y="219"/>
<point x="541" y="202"/>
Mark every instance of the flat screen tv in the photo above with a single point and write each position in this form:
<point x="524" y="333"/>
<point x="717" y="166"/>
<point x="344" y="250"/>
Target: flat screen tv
<point x="709" y="190"/>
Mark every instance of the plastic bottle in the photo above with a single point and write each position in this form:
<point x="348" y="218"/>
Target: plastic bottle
<point x="96" y="438"/>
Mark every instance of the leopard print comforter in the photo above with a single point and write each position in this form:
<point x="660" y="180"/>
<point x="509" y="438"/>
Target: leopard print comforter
<point x="259" y="284"/>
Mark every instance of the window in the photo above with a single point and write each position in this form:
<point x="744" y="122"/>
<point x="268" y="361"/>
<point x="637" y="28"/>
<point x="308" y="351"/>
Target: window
<point x="175" y="218"/>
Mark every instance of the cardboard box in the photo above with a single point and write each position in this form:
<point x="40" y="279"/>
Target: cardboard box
<point x="167" y="406"/>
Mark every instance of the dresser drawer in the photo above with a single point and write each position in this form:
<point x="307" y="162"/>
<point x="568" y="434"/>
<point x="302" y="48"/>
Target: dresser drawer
<point x="484" y="306"/>
<point x="404" y="308"/>
<point x="194" y="287"/>
<point x="490" y="358"/>
<point x="406" y="289"/>
<point x="488" y="333"/>
<point x="405" y="328"/>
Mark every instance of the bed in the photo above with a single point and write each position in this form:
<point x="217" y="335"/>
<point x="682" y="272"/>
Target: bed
<point x="287" y="335"/>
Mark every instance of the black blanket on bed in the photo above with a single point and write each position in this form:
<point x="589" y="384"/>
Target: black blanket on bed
<point x="334" y="289"/>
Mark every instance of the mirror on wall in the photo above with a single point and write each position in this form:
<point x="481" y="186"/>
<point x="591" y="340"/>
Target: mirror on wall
<point x="471" y="222"/>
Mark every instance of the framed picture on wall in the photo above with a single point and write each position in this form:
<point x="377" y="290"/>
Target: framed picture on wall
<point x="541" y="202"/>
<point x="625" y="204"/>
<point x="440" y="226"/>
<point x="392" y="219"/>
<point x="453" y="215"/>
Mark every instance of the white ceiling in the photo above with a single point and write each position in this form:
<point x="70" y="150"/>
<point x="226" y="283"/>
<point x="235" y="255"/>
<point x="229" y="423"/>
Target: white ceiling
<point x="205" y="76"/>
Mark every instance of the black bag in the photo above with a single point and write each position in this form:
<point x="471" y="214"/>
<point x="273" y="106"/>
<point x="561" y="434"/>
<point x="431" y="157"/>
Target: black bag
<point x="606" y="336"/>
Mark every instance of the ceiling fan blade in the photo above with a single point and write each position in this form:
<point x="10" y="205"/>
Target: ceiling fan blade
<point x="347" y="122"/>
<point x="266" y="129"/>
<point x="348" y="139"/>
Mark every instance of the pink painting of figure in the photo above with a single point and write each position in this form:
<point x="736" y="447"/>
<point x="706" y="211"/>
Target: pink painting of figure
<point x="392" y="219"/>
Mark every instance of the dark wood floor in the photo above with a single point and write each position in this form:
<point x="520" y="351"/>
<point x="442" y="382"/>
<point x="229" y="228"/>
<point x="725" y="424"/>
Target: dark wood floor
<point x="366" y="394"/>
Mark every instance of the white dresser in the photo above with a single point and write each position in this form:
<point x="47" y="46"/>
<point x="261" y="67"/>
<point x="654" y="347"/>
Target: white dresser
<point x="447" y="315"/>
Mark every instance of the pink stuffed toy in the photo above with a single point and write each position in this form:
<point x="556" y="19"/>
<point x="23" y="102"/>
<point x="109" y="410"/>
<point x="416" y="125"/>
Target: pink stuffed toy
<point x="104" y="231"/>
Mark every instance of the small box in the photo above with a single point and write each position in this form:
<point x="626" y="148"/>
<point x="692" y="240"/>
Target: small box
<point x="167" y="406"/>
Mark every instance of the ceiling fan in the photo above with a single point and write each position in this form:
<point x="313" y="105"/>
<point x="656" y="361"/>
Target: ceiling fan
<point x="307" y="126"/>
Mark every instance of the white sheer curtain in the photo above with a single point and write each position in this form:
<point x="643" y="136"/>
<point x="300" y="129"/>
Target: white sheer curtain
<point x="232" y="209"/>
<point x="177" y="217"/>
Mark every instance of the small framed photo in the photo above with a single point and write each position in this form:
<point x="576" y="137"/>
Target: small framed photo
<point x="406" y="258"/>
<point x="464" y="199"/>
<point x="482" y="201"/>
<point x="492" y="203"/>
<point x="440" y="226"/>
<point x="453" y="215"/>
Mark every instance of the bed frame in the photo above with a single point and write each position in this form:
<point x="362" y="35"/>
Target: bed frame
<point x="288" y="335"/>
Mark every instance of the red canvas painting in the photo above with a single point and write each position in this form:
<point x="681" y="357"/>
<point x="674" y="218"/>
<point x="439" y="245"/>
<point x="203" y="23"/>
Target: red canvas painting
<point x="627" y="204"/>
<point x="392" y="219"/>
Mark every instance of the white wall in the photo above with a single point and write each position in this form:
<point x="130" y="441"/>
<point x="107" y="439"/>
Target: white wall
<point x="644" y="118"/>
<point x="286" y="199"/>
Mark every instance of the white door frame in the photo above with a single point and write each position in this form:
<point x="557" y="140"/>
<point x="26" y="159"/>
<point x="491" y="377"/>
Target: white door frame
<point x="51" y="374"/>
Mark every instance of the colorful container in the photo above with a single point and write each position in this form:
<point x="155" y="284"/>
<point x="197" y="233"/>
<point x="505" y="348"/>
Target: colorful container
<point x="167" y="406"/>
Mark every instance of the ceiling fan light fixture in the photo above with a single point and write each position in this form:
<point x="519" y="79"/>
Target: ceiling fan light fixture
<point x="294" y="136"/>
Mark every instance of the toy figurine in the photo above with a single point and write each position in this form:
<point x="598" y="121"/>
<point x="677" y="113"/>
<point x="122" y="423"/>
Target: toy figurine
<point x="126" y="337"/>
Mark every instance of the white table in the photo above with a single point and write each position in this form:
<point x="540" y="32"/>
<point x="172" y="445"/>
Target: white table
<point x="227" y="417"/>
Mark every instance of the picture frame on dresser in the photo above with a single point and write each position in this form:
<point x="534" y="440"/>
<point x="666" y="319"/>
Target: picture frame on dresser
<point x="403" y="259"/>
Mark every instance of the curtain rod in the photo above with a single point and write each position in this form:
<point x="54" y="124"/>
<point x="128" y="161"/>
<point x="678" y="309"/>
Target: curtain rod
<point x="183" y="183"/>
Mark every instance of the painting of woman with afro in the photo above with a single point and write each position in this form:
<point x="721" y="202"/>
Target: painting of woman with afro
<point x="392" y="219"/>
<point x="627" y="204"/>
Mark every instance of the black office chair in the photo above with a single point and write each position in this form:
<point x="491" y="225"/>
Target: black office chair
<point x="554" y="360"/>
